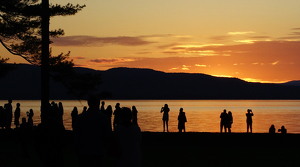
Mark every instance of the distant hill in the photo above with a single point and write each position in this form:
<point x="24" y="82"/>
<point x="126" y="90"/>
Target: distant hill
<point x="292" y="83"/>
<point x="133" y="83"/>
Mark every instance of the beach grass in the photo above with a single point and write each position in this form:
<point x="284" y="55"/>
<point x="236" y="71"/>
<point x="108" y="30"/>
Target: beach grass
<point x="180" y="150"/>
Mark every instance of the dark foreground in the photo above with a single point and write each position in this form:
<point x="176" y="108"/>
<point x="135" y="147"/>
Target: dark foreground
<point x="180" y="150"/>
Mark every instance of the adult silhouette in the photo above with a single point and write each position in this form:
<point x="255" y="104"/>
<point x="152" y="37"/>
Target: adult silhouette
<point x="224" y="121"/>
<point x="8" y="112"/>
<point x="165" y="110"/>
<point x="272" y="129"/>
<point x="84" y="109"/>
<point x="91" y="133"/>
<point x="117" y="113"/>
<point x="249" y="116"/>
<point x="128" y="136"/>
<point x="102" y="108"/>
<point x="230" y="121"/>
<point x="49" y="141"/>
<point x="181" y="120"/>
<point x="134" y="115"/>
<point x="282" y="130"/>
<point x="60" y="113"/>
<point x="30" y="115"/>
<point x="2" y="117"/>
<point x="25" y="137"/>
<point x="17" y="115"/>
<point x="108" y="113"/>
<point x="74" y="115"/>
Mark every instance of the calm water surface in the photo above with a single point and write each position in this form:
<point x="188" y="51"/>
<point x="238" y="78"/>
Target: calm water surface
<point x="202" y="115"/>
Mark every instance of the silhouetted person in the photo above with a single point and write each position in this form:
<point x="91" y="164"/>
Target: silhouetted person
<point x="224" y="121"/>
<point x="8" y="112"/>
<point x="117" y="113"/>
<point x="282" y="130"/>
<point x="74" y="115"/>
<point x="108" y="113"/>
<point x="84" y="109"/>
<point x="230" y="121"/>
<point x="102" y="108"/>
<point x="60" y="113"/>
<point x="134" y="115"/>
<point x="181" y="120"/>
<point x="128" y="136"/>
<point x="249" y="116"/>
<point x="30" y="118"/>
<point x="91" y="133"/>
<point x="165" y="110"/>
<point x="54" y="111"/>
<point x="17" y="115"/>
<point x="49" y="142"/>
<point x="272" y="129"/>
<point x="25" y="137"/>
<point x="2" y="117"/>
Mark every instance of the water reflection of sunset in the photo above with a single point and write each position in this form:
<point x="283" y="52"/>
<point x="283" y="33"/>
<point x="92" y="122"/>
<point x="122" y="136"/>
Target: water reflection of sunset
<point x="202" y="115"/>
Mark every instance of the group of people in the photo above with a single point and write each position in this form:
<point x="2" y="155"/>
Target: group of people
<point x="282" y="130"/>
<point x="181" y="118"/>
<point x="93" y="132"/>
<point x="7" y="115"/>
<point x="226" y="121"/>
<point x="92" y="129"/>
<point x="108" y="112"/>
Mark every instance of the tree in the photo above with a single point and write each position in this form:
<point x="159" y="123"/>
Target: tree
<point x="21" y="34"/>
<point x="20" y="26"/>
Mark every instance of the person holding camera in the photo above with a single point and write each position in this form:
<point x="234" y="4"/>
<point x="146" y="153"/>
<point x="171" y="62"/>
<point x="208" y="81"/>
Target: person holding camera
<point x="249" y="116"/>
<point x="165" y="110"/>
<point x="282" y="130"/>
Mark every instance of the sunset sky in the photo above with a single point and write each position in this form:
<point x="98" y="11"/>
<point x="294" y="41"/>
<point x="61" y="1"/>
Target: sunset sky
<point x="257" y="40"/>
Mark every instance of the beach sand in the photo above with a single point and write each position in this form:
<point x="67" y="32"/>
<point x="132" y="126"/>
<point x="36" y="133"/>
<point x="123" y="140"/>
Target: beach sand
<point x="180" y="150"/>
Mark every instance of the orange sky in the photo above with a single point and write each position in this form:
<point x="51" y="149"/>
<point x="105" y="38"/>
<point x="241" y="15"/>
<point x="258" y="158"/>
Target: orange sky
<point x="253" y="40"/>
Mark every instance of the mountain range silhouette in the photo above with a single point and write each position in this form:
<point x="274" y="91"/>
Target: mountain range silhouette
<point x="132" y="83"/>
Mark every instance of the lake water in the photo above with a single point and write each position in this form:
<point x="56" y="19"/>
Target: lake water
<point x="202" y="115"/>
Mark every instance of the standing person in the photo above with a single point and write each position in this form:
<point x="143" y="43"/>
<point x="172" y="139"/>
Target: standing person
<point x="230" y="121"/>
<point x="129" y="138"/>
<point x="84" y="109"/>
<point x="17" y="115"/>
<point x="60" y="113"/>
<point x="224" y="121"/>
<point x="102" y="109"/>
<point x="74" y="115"/>
<point x="165" y="118"/>
<point x="249" y="116"/>
<point x="109" y="113"/>
<point x="8" y="112"/>
<point x="49" y="140"/>
<point x="2" y="117"/>
<point x="134" y="115"/>
<point x="117" y="113"/>
<point x="30" y="118"/>
<point x="91" y="134"/>
<point x="181" y="120"/>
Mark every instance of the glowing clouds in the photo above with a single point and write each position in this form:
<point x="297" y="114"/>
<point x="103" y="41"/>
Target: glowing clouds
<point x="111" y="61"/>
<point x="241" y="33"/>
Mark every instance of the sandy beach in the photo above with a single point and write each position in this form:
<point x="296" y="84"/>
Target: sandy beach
<point x="180" y="150"/>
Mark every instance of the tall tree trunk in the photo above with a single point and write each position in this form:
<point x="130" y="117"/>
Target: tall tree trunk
<point x="45" y="60"/>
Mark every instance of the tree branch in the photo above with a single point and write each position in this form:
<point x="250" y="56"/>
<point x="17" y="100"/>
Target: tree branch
<point x="17" y="54"/>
